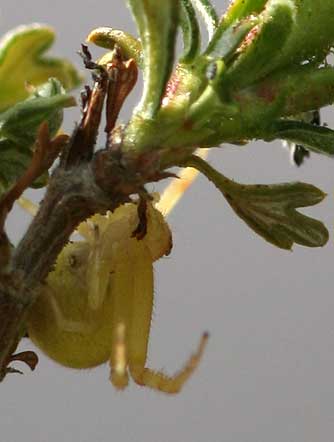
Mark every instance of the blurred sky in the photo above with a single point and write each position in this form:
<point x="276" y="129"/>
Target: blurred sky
<point x="267" y="374"/>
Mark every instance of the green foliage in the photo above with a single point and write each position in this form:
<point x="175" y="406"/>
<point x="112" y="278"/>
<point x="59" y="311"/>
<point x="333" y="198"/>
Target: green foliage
<point x="13" y="161"/>
<point x="316" y="139"/>
<point x="157" y="29"/>
<point x="209" y="15"/>
<point x="224" y="44"/>
<point x="272" y="70"/>
<point x="269" y="210"/>
<point x="240" y="9"/>
<point x="190" y="31"/>
<point x="263" y="74"/>
<point x="108" y="38"/>
<point x="22" y="61"/>
<point x="19" y="125"/>
<point x="263" y="68"/>
<point x="267" y="38"/>
<point x="29" y="96"/>
<point x="21" y="122"/>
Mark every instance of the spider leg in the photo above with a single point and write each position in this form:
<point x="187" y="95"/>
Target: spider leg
<point x="28" y="205"/>
<point x="56" y="316"/>
<point x="64" y="323"/>
<point x="174" y="191"/>
<point x="84" y="229"/>
<point x="119" y="376"/>
<point x="32" y="208"/>
<point x="98" y="270"/>
<point x="162" y="382"/>
<point x="141" y="308"/>
<point x="121" y="292"/>
<point x="140" y="323"/>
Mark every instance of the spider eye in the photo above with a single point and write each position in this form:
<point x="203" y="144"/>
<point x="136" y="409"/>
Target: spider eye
<point x="72" y="261"/>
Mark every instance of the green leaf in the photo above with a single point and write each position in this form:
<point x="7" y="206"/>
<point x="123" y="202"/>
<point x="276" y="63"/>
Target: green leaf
<point x="318" y="139"/>
<point x="270" y="210"/>
<point x="290" y="32"/>
<point x="225" y="41"/>
<point x="312" y="34"/>
<point x="233" y="27"/>
<point x="212" y="100"/>
<point x="300" y="88"/>
<point x="21" y="122"/>
<point x="208" y="14"/>
<point x="22" y="61"/>
<point x="298" y="152"/>
<point x="240" y="9"/>
<point x="157" y="24"/>
<point x="190" y="31"/>
<point x="19" y="125"/>
<point x="13" y="162"/>
<point x="108" y="37"/>
<point x="266" y="39"/>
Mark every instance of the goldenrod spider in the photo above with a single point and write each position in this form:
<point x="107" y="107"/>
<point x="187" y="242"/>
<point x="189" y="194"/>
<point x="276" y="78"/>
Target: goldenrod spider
<point x="96" y="305"/>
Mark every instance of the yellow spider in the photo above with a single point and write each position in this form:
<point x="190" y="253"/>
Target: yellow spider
<point x="96" y="305"/>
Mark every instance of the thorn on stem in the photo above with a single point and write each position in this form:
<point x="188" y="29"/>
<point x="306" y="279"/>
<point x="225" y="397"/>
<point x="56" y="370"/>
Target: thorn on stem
<point x="29" y="358"/>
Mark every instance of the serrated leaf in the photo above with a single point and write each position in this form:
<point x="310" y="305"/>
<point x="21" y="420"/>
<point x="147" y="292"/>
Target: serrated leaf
<point x="318" y="139"/>
<point x="270" y="210"/>
<point x="190" y="31"/>
<point x="157" y="24"/>
<point x="108" y="37"/>
<point x="22" y="61"/>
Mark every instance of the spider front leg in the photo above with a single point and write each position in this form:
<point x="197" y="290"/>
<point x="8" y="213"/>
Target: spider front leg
<point x="132" y="301"/>
<point x="162" y="382"/>
<point x="132" y="321"/>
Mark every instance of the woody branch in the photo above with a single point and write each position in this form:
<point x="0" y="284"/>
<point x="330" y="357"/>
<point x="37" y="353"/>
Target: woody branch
<point x="84" y="183"/>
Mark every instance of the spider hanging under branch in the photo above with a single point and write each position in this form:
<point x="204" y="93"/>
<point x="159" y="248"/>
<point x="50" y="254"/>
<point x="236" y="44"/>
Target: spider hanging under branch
<point x="96" y="305"/>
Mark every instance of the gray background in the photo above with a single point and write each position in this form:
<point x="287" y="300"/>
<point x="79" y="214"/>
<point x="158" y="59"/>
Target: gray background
<point x="267" y="374"/>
